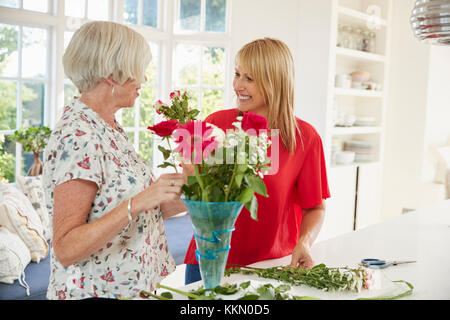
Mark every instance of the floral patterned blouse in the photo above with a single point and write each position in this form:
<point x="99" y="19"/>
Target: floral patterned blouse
<point x="84" y="146"/>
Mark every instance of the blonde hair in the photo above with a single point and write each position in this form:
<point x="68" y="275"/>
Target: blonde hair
<point x="101" y="49"/>
<point x="270" y="63"/>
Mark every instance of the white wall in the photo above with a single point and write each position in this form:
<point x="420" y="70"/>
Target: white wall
<point x="254" y="19"/>
<point x="413" y="78"/>
<point x="437" y="130"/>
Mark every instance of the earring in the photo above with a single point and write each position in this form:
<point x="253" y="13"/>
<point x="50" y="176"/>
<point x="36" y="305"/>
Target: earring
<point x="112" y="91"/>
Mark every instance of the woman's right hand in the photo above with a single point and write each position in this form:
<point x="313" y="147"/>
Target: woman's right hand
<point x="165" y="189"/>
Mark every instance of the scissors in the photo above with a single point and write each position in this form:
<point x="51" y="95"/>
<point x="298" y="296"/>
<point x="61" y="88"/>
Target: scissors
<point x="381" y="264"/>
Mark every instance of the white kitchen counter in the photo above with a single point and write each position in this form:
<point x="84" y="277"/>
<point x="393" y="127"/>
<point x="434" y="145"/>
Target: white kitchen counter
<point x="422" y="235"/>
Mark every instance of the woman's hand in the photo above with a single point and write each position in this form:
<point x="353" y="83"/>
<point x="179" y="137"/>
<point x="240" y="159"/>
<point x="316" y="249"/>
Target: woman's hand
<point x="188" y="169"/>
<point x="165" y="189"/>
<point x="301" y="256"/>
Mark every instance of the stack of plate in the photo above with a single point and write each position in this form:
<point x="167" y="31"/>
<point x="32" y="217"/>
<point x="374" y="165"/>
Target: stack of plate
<point x="365" y="122"/>
<point x="364" y="150"/>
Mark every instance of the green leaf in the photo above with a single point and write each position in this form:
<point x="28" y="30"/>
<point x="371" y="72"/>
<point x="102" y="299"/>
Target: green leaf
<point x="238" y="179"/>
<point x="245" y="285"/>
<point x="165" y="152"/>
<point x="257" y="185"/>
<point x="167" y="295"/>
<point x="165" y="165"/>
<point x="246" y="195"/>
<point x="252" y="206"/>
<point x="191" y="180"/>
<point x="249" y="297"/>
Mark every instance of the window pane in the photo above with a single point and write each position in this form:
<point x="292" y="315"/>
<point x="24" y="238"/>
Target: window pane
<point x="213" y="66"/>
<point x="215" y="15"/>
<point x="70" y="91"/>
<point x="146" y="102"/>
<point x="7" y="159"/>
<point x="187" y="64"/>
<point x="146" y="145"/>
<point x="212" y="101"/>
<point x="8" y="50"/>
<point x="128" y="117"/>
<point x="36" y="5"/>
<point x="75" y="8"/>
<point x="190" y="15"/>
<point x="130" y="13"/>
<point x="150" y="13"/>
<point x="130" y="135"/>
<point x="67" y="37"/>
<point x="8" y="104"/>
<point x="33" y="94"/>
<point x="151" y="72"/>
<point x="34" y="55"/>
<point x="98" y="9"/>
<point x="9" y="3"/>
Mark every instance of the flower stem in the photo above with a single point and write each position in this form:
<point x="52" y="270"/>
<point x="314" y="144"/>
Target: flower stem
<point x="193" y="296"/>
<point x="171" y="153"/>
<point x="227" y="193"/>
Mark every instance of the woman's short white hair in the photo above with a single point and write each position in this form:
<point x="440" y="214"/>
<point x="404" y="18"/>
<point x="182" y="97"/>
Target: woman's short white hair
<point x="101" y="49"/>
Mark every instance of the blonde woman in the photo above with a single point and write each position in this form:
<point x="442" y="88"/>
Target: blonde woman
<point x="291" y="217"/>
<point x="107" y="209"/>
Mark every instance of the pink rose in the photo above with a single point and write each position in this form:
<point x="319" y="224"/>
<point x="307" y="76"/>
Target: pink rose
<point x="195" y="135"/>
<point x="158" y="105"/>
<point x="175" y="94"/>
<point x="255" y="122"/>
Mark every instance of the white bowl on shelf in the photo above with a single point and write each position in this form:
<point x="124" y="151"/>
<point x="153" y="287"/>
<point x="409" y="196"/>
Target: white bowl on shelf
<point x="344" y="157"/>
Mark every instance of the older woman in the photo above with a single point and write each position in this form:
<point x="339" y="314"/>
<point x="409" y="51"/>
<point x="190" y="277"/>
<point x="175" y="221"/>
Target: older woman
<point x="108" y="234"/>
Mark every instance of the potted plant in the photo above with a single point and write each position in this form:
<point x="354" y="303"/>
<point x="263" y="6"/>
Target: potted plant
<point x="229" y="168"/>
<point x="33" y="139"/>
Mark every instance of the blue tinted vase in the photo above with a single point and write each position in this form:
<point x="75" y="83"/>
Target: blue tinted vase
<point x="213" y="224"/>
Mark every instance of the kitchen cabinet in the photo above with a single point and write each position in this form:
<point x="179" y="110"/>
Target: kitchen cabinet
<point x="340" y="208"/>
<point x="368" y="195"/>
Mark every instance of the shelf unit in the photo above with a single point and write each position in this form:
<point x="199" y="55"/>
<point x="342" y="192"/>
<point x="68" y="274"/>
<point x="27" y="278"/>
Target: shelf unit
<point x="373" y="16"/>
<point x="355" y="188"/>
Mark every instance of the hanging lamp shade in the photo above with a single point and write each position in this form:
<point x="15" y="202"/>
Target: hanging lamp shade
<point x="430" y="21"/>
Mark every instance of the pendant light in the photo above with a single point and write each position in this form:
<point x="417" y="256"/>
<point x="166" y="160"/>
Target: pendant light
<point x="430" y="21"/>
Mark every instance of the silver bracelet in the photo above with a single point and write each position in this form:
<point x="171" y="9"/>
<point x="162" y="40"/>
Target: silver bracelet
<point x="130" y="218"/>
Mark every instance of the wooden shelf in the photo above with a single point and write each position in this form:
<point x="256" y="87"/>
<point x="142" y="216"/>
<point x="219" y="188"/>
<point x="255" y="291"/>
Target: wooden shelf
<point x="358" y="93"/>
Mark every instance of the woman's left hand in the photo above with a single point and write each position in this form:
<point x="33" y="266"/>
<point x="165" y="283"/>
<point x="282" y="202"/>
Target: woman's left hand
<point x="301" y="256"/>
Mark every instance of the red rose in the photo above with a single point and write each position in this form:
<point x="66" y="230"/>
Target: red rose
<point x="253" y="121"/>
<point x="164" y="128"/>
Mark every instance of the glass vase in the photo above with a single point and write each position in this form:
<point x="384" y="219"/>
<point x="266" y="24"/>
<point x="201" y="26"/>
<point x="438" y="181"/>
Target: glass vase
<point x="213" y="224"/>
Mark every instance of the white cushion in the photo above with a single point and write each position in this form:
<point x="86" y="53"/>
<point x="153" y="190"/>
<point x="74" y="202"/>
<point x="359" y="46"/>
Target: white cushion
<point x="19" y="217"/>
<point x="33" y="189"/>
<point x="14" y="256"/>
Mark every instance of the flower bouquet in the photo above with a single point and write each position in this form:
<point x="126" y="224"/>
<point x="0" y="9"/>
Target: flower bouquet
<point x="229" y="168"/>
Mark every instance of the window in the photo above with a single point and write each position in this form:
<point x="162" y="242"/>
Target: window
<point x="201" y="70"/>
<point x="87" y="9"/>
<point x="23" y="88"/>
<point x="33" y="5"/>
<point x="201" y="16"/>
<point x="142" y="12"/>
<point x="190" y="44"/>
